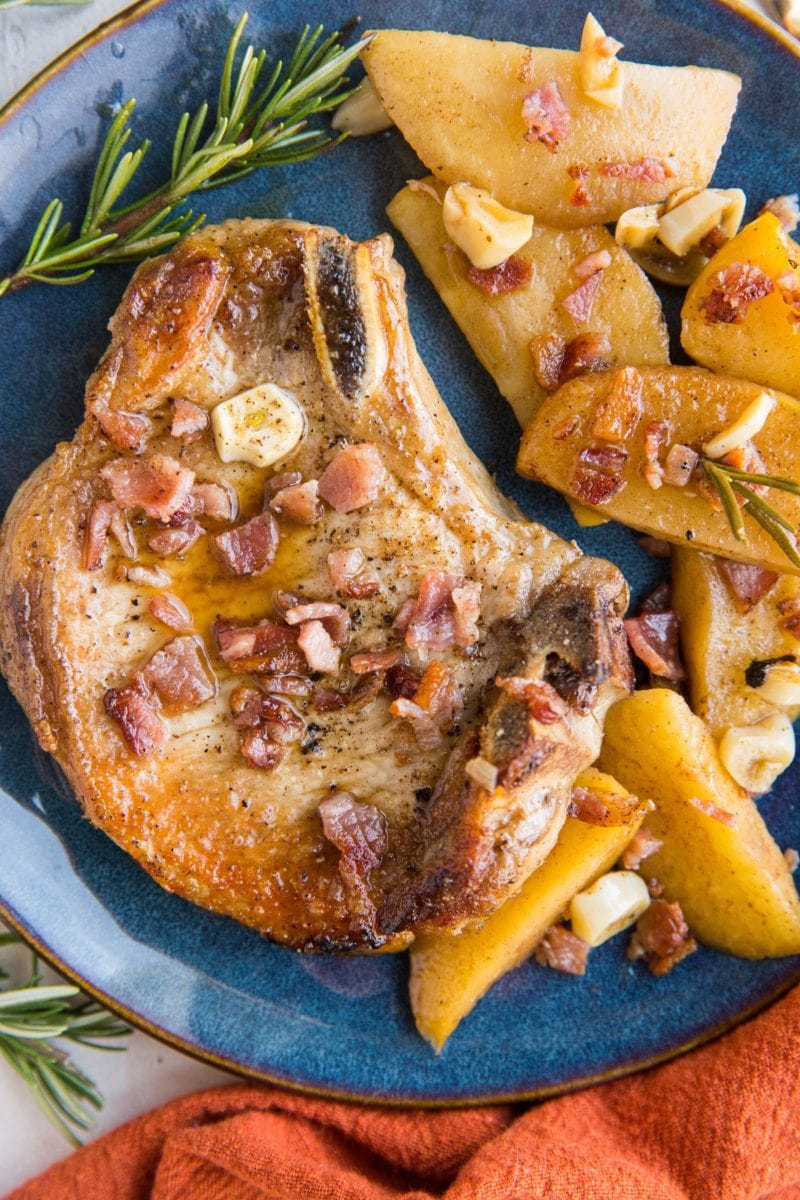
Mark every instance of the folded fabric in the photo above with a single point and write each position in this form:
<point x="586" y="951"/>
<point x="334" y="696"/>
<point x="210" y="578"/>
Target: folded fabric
<point x="718" y="1124"/>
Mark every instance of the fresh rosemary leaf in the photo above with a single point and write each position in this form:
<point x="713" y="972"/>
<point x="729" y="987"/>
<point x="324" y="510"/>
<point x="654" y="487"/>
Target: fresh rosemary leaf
<point x="250" y="127"/>
<point x="733" y="485"/>
<point x="727" y="498"/>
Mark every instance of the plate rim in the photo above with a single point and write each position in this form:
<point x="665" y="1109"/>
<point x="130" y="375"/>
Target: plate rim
<point x="8" y="110"/>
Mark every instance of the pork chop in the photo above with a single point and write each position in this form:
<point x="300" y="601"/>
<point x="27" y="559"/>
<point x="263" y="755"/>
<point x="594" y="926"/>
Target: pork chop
<point x="339" y="699"/>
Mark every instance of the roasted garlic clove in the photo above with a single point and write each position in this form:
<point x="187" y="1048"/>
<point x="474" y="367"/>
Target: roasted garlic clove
<point x="362" y="113"/>
<point x="484" y="229"/>
<point x="613" y="903"/>
<point x="743" y="429"/>
<point x="755" y="755"/>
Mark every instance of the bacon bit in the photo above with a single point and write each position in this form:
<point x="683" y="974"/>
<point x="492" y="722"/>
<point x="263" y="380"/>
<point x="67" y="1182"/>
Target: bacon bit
<point x="376" y="660"/>
<point x="641" y="846"/>
<point x="525" y="72"/>
<point x="661" y="937"/>
<point x="278" y="482"/>
<point x="444" y="614"/>
<point x="318" y="647"/>
<point x="654" y="638"/>
<point x="562" y="950"/>
<point x="180" y="674"/>
<point x="138" y="719"/>
<point x="401" y="682"/>
<point x="188" y="420"/>
<point x="328" y="699"/>
<point x="259" y="751"/>
<point x="299" y="502"/>
<point x="353" y="478"/>
<point x="788" y="284"/>
<point x="655" y="546"/>
<point x="584" y="355"/>
<point x="655" y="435"/>
<point x="747" y="458"/>
<point x="655" y="889"/>
<point x="345" y="568"/>
<point x="579" y="303"/>
<point x="578" y="171"/>
<point x="597" y="476"/>
<point x="680" y="464"/>
<point x="580" y="197"/>
<point x="155" y="577"/>
<point x="171" y="611"/>
<point x="168" y="542"/>
<point x="711" y="810"/>
<point x="121" y="529"/>
<point x="657" y="601"/>
<point x="254" y="709"/>
<point x="287" y="685"/>
<point x="746" y="583"/>
<point x="792" y="859"/>
<point x="713" y="241"/>
<point x="243" y="641"/>
<point x="366" y="689"/>
<point x="334" y="617"/>
<point x="585" y="805"/>
<point x="617" y="416"/>
<point x="650" y="170"/>
<point x="509" y="276"/>
<point x="95" y="533"/>
<point x="360" y="834"/>
<point x="125" y="430"/>
<point x="546" y="116"/>
<point x="434" y="704"/>
<point x="159" y="485"/>
<point x="566" y="428"/>
<point x="541" y="699"/>
<point x="598" y="260"/>
<point x="250" y="548"/>
<point x="790" y="609"/>
<point x="547" y="352"/>
<point x="733" y="290"/>
<point x="786" y="209"/>
<point x="217" y="501"/>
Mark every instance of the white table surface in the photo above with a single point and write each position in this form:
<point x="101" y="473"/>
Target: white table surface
<point x="148" y="1073"/>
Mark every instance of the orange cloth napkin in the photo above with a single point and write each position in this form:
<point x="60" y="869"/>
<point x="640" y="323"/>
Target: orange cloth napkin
<point x="719" y="1124"/>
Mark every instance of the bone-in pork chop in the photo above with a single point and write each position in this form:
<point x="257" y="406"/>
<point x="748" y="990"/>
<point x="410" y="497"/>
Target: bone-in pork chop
<point x="339" y="697"/>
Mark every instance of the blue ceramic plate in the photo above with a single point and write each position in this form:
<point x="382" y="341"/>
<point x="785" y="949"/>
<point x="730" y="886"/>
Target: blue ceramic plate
<point x="339" y="1026"/>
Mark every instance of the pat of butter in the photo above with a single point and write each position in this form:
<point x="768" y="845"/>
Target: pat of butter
<point x="260" y="426"/>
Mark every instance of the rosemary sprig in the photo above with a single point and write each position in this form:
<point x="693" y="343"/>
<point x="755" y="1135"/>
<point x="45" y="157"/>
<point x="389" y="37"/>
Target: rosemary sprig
<point x="31" y="1016"/>
<point x="261" y="118"/>
<point x="733" y="486"/>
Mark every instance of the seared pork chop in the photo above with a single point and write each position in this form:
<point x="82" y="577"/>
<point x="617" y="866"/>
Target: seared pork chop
<point x="341" y="698"/>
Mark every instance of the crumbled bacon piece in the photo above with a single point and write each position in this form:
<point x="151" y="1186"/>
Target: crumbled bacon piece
<point x="366" y="689"/>
<point x="188" y="420"/>
<point x="679" y="464"/>
<point x="168" y="542"/>
<point x="712" y="810"/>
<point x="650" y="170"/>
<point x="171" y="611"/>
<point x="598" y="260"/>
<point x="95" y="533"/>
<point x="346" y="569"/>
<point x="353" y="478"/>
<point x="788" y="284"/>
<point x="401" y="682"/>
<point x="786" y="209"/>
<point x="585" y="805"/>
<point x="655" y="436"/>
<point x="547" y="352"/>
<point x="733" y="290"/>
<point x="618" y="414"/>
<point x="328" y="699"/>
<point x="138" y="719"/>
<point x="546" y="116"/>
<point x="277" y="483"/>
<point x="255" y="709"/>
<point x="155" y="577"/>
<point x="260" y="751"/>
<point x="654" y="638"/>
<point x="334" y="617"/>
<point x="789" y="608"/>
<point x="299" y="502"/>
<point x="580" y="197"/>
<point x="585" y="354"/>
<point x="360" y="834"/>
<point x="244" y="641"/>
<point x="287" y="685"/>
<point x="376" y="660"/>
<point x="217" y="501"/>
<point x="444" y="614"/>
<point x="565" y="429"/>
<point x="250" y="548"/>
<point x="579" y="170"/>
<point x="746" y="583"/>
<point x="713" y="241"/>
<point x="180" y="674"/>
<point x="580" y="302"/>
<point x="562" y="950"/>
<point x="318" y="647"/>
<point x="120" y="527"/>
<point x="641" y="846"/>
<point x="657" y="601"/>
<point x="159" y="485"/>
<point x="433" y="706"/>
<point x="597" y="476"/>
<point x="540" y="698"/>
<point x="125" y="430"/>
<point x="662" y="937"/>
<point x="510" y="276"/>
<point x="657" y="547"/>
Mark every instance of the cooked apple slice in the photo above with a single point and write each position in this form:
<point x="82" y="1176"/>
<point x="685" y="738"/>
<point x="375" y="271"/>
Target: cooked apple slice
<point x="459" y="102"/>
<point x="450" y="974"/>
